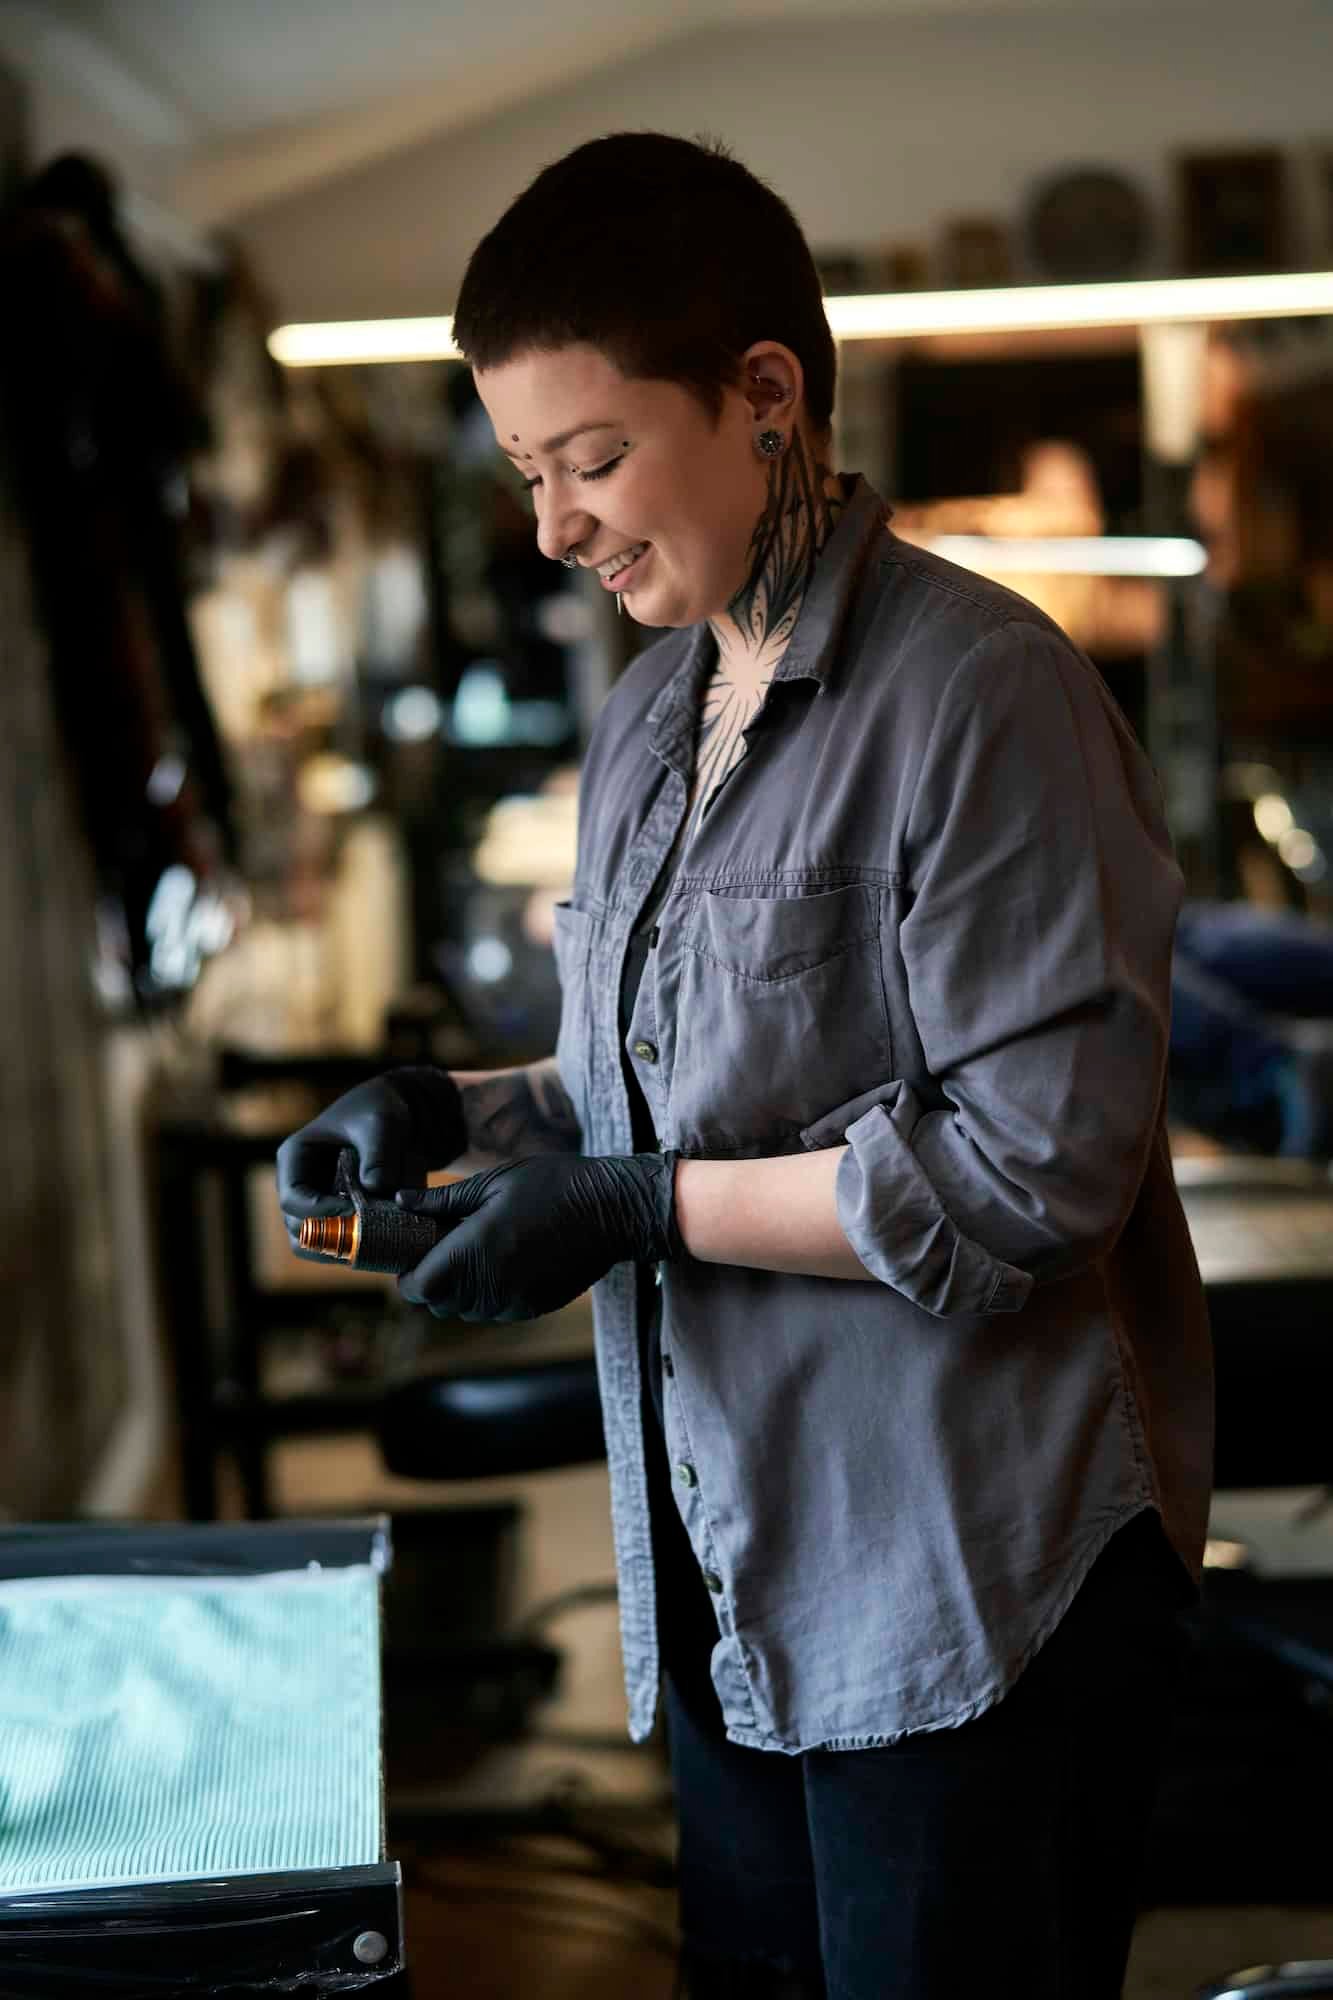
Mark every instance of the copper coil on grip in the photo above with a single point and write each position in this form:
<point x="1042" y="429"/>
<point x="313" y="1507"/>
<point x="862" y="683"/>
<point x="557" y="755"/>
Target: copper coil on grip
<point x="332" y="1236"/>
<point x="381" y="1238"/>
<point x="377" y="1236"/>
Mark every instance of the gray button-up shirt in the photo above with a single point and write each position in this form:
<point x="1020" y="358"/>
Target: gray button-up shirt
<point x="928" y="915"/>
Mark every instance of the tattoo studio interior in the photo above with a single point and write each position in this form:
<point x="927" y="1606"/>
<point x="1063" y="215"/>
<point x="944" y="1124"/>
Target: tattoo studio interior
<point x="378" y="634"/>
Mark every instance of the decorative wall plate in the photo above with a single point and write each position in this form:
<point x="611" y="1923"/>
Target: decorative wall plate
<point x="1088" y="224"/>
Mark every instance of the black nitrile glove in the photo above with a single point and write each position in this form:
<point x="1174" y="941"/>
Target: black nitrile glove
<point x="525" y="1238"/>
<point x="399" y="1125"/>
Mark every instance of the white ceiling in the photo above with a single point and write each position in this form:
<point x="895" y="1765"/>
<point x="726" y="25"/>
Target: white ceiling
<point x="244" y="102"/>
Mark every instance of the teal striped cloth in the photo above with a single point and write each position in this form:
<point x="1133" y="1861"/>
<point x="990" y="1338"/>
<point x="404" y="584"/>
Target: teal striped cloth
<point x="158" y="1729"/>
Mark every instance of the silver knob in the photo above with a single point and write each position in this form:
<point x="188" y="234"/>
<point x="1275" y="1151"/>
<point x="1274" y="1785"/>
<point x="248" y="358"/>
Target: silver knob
<point x="370" y="1947"/>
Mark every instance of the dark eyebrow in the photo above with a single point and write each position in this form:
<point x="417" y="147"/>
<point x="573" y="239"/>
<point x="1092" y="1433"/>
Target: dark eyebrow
<point x="566" y="437"/>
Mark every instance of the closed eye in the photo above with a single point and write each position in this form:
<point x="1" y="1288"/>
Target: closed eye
<point x="596" y="472"/>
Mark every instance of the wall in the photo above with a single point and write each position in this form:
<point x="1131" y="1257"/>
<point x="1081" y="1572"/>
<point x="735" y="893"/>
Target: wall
<point x="64" y="120"/>
<point x="876" y="130"/>
<point x="78" y="94"/>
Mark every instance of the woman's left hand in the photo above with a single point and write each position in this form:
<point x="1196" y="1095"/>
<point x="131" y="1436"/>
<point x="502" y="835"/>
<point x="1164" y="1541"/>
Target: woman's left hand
<point x="525" y="1238"/>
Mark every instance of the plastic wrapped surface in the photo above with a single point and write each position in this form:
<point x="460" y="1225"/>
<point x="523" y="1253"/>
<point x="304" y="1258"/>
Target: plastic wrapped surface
<point x="191" y="1794"/>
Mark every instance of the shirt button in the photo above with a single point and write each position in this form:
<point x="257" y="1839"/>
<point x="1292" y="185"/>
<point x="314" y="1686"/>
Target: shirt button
<point x="686" y="1474"/>
<point x="713" y="1580"/>
<point x="668" y="1365"/>
<point x="647" y="1050"/>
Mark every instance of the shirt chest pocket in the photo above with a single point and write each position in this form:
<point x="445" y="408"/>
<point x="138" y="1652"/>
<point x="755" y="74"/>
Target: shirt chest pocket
<point x="780" y="1014"/>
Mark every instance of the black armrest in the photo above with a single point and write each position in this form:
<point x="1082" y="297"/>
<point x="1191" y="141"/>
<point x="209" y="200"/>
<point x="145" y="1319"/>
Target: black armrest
<point x="494" y="1422"/>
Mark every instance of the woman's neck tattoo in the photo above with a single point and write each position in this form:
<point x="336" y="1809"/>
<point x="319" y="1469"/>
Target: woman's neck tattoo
<point x="725" y="713"/>
<point x="800" y="512"/>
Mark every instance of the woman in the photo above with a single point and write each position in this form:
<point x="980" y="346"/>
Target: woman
<point x="855" y="1126"/>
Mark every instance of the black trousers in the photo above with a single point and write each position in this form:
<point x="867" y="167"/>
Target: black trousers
<point x="999" y="1858"/>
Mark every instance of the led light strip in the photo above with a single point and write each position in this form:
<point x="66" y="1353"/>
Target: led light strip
<point x="327" y="343"/>
<point x="1075" y="555"/>
<point x="888" y="315"/>
<point x="1033" y="308"/>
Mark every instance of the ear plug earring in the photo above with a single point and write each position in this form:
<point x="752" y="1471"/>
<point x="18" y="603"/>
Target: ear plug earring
<point x="770" y="444"/>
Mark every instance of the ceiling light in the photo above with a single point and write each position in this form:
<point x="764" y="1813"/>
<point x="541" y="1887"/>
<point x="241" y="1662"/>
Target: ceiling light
<point x="327" y="343"/>
<point x="1074" y="555"/>
<point x="890" y="315"/>
<point x="1032" y="308"/>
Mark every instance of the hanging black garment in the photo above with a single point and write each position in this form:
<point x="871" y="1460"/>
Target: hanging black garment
<point x="98" y="427"/>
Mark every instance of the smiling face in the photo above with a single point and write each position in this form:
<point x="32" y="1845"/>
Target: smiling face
<point x="626" y="465"/>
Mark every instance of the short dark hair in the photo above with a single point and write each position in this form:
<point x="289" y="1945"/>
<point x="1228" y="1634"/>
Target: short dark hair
<point x="666" y="253"/>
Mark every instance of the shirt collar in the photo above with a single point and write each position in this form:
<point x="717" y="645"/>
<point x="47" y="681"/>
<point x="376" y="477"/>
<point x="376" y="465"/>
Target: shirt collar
<point x="813" y="645"/>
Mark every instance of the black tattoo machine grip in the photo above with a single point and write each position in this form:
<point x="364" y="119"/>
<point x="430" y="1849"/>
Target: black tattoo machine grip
<point x="376" y="1236"/>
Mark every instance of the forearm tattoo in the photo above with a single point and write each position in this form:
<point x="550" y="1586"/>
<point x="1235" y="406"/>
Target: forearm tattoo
<point x="519" y="1112"/>
<point x="801" y="510"/>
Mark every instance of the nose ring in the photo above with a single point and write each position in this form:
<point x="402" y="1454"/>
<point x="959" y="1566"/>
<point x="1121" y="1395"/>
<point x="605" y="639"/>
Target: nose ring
<point x="570" y="562"/>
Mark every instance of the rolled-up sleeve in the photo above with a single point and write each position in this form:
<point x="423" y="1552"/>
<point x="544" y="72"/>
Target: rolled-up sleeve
<point x="1041" y="906"/>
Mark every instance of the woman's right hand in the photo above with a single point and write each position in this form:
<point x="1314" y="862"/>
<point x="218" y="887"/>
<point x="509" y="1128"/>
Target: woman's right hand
<point x="400" y="1125"/>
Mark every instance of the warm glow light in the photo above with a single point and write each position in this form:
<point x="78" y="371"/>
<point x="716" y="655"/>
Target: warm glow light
<point x="1074" y="555"/>
<point x="1029" y="308"/>
<point x="1297" y="848"/>
<point x="890" y="315"/>
<point x="1272" y="816"/>
<point x="328" y="343"/>
<point x="1221" y="1554"/>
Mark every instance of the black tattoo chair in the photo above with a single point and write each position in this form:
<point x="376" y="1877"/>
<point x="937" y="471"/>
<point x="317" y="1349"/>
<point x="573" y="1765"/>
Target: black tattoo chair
<point x="493" y="1422"/>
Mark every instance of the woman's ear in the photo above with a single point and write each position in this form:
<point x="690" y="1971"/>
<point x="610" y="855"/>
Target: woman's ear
<point x="773" y="380"/>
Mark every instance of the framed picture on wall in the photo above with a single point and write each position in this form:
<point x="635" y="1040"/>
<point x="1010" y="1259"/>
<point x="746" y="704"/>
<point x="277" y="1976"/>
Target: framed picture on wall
<point x="1233" y="212"/>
